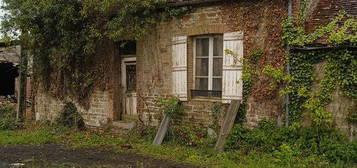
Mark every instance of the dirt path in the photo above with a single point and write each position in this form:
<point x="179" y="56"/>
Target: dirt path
<point x="60" y="156"/>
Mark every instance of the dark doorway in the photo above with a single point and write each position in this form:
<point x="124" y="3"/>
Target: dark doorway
<point x="8" y="73"/>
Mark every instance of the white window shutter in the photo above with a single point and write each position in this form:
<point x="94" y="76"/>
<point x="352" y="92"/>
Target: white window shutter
<point x="232" y="67"/>
<point x="179" y="67"/>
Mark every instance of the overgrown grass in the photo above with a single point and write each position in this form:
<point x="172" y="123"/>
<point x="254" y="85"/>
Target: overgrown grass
<point x="33" y="137"/>
<point x="283" y="157"/>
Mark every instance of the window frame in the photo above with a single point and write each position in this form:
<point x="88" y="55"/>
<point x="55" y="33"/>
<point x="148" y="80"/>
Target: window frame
<point x="211" y="58"/>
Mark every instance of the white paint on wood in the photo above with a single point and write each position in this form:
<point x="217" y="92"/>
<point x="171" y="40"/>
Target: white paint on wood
<point x="130" y="98"/>
<point x="179" y="67"/>
<point x="232" y="67"/>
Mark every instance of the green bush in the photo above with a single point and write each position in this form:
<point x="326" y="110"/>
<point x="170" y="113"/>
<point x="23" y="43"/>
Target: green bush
<point x="70" y="117"/>
<point x="188" y="135"/>
<point x="170" y="106"/>
<point x="7" y="117"/>
<point x="308" y="141"/>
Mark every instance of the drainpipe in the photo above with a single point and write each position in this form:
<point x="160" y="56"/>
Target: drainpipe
<point x="287" y="97"/>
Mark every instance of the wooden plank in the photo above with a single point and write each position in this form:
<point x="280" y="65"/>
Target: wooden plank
<point x="161" y="132"/>
<point x="227" y="126"/>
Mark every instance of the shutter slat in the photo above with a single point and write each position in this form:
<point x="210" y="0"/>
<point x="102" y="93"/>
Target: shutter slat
<point x="179" y="67"/>
<point x="232" y="69"/>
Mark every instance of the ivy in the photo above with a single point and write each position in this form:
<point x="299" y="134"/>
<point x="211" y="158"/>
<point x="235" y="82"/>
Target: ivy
<point x="64" y="36"/>
<point x="250" y="67"/>
<point x="295" y="35"/>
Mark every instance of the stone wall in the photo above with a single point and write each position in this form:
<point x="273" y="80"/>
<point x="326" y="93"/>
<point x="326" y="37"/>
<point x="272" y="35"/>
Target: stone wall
<point x="103" y="103"/>
<point x="49" y="108"/>
<point x="260" y="23"/>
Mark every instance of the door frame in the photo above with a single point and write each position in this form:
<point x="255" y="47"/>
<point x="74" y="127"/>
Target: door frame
<point x="125" y="61"/>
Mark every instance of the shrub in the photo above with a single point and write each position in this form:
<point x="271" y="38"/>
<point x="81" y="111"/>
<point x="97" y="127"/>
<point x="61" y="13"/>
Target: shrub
<point x="7" y="117"/>
<point x="310" y="142"/>
<point x="70" y="117"/>
<point x="188" y="135"/>
<point x="170" y="106"/>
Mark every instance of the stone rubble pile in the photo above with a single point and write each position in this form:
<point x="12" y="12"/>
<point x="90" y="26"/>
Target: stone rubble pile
<point x="9" y="99"/>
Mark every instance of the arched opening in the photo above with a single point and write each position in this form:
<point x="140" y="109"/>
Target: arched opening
<point x="8" y="74"/>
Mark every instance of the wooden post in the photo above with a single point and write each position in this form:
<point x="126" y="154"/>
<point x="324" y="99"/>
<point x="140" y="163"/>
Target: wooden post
<point x="161" y="132"/>
<point x="228" y="123"/>
<point x="21" y="103"/>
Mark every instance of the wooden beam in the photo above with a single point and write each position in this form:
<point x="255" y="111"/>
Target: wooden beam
<point x="161" y="132"/>
<point x="21" y="103"/>
<point x="227" y="125"/>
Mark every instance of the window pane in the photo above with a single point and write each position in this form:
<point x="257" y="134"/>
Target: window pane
<point x="202" y="83"/>
<point x="218" y="46"/>
<point x="217" y="84"/>
<point x="202" y="46"/>
<point x="217" y="66"/>
<point x="202" y="66"/>
<point x="131" y="77"/>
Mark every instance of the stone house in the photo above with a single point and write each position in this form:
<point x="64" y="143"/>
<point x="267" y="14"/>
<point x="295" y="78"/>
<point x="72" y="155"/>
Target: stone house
<point x="186" y="57"/>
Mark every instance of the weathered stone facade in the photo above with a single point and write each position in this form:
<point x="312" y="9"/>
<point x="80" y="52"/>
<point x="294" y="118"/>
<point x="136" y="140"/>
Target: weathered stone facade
<point x="49" y="107"/>
<point x="260" y="22"/>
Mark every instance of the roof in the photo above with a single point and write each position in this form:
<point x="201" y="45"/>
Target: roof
<point x="325" y="10"/>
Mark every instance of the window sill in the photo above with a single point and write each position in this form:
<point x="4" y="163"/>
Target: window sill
<point x="206" y="99"/>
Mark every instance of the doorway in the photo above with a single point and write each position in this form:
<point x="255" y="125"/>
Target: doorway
<point x="129" y="88"/>
<point x="8" y="74"/>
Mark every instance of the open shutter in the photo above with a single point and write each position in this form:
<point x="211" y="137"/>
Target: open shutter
<point x="232" y="67"/>
<point x="179" y="67"/>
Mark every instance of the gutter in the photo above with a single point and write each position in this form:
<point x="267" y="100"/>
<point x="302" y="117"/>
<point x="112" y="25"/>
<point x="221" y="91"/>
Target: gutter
<point x="287" y="97"/>
<point x="323" y="48"/>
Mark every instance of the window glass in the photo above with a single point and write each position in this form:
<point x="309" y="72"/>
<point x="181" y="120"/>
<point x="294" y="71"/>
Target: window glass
<point x="202" y="67"/>
<point x="218" y="46"/>
<point x="217" y="84"/>
<point x="202" y="47"/>
<point x="217" y="66"/>
<point x="131" y="77"/>
<point x="209" y="65"/>
<point x="202" y="83"/>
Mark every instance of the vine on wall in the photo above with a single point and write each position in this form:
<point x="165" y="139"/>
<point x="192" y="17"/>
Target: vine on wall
<point x="339" y="71"/>
<point x="65" y="36"/>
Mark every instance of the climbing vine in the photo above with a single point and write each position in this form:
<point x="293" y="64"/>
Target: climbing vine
<point x="250" y="73"/>
<point x="65" y="37"/>
<point x="339" y="68"/>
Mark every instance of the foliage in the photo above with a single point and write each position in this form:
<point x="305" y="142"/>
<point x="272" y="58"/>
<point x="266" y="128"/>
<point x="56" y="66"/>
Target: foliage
<point x="170" y="106"/>
<point x="284" y="155"/>
<point x="65" y="36"/>
<point x="189" y="135"/>
<point x="295" y="35"/>
<point x="293" y="141"/>
<point x="70" y="117"/>
<point x="217" y="109"/>
<point x="32" y="136"/>
<point x="250" y="73"/>
<point x="352" y="116"/>
<point x="7" y="117"/>
<point x="339" y="68"/>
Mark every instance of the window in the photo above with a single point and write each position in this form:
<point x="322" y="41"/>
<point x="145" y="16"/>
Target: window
<point x="208" y="57"/>
<point x="131" y="77"/>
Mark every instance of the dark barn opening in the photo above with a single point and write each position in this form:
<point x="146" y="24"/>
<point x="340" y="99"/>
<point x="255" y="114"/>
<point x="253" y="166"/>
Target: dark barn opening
<point x="8" y="73"/>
